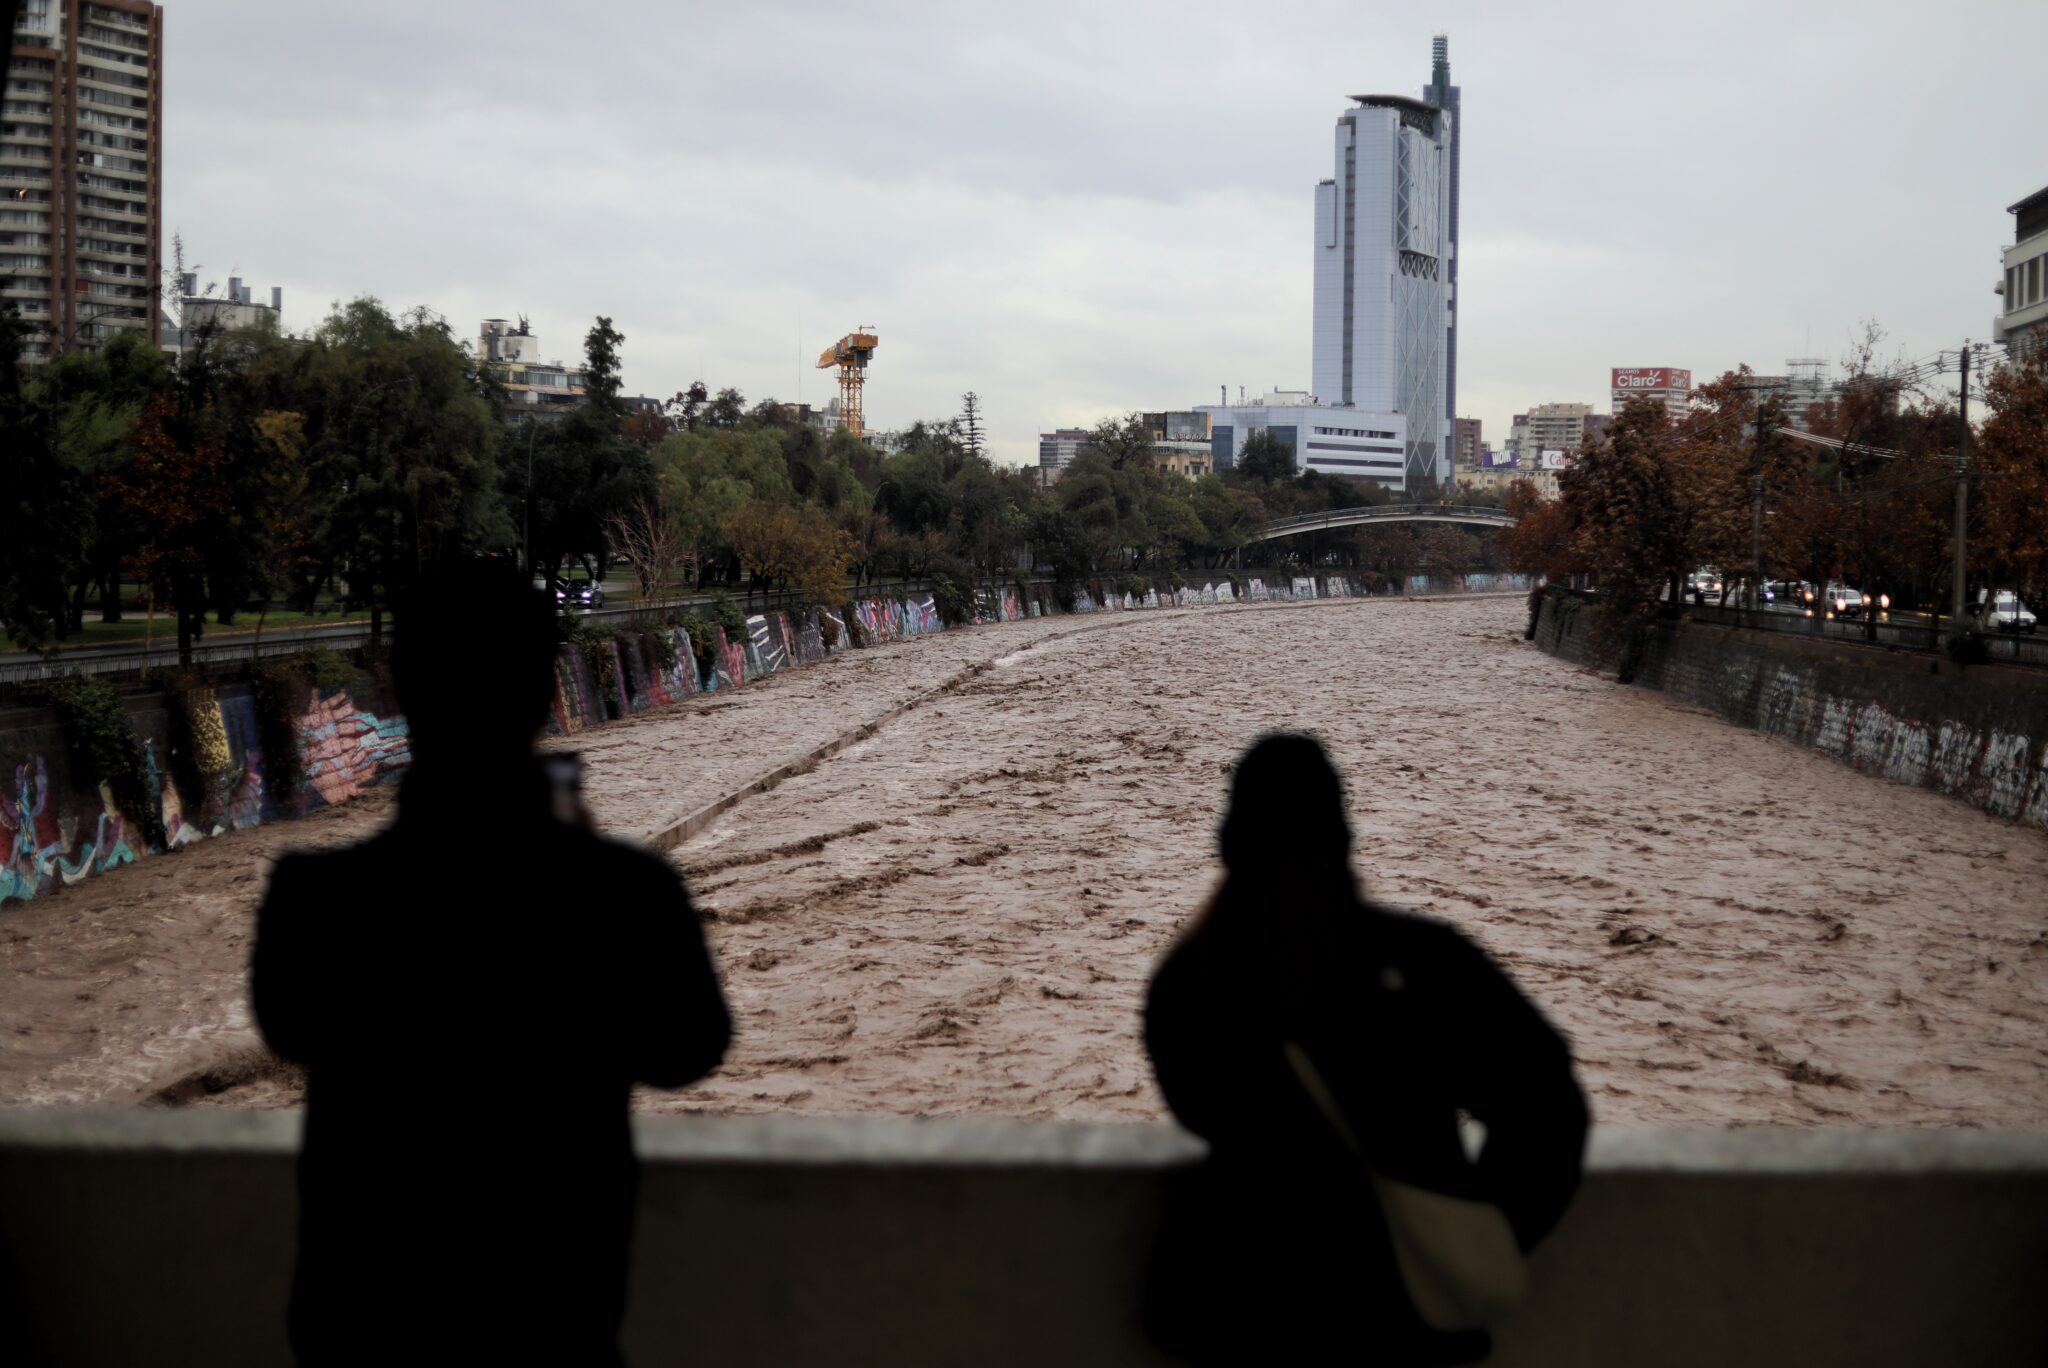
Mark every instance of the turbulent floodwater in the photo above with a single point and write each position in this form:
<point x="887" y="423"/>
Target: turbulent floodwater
<point x="958" y="915"/>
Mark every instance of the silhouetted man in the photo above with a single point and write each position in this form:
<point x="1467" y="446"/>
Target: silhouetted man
<point x="474" y="993"/>
<point x="1316" y="1040"/>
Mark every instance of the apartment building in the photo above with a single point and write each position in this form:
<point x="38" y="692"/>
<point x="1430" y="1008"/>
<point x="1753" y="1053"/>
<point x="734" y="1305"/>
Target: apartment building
<point x="531" y="384"/>
<point x="81" y="171"/>
<point x="2023" y="293"/>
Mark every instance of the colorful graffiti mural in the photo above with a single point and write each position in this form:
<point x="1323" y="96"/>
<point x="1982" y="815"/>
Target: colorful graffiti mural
<point x="344" y="749"/>
<point x="57" y="837"/>
<point x="50" y="843"/>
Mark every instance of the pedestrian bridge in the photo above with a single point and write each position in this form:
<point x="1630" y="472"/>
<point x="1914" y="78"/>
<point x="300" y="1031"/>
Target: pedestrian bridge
<point x="1469" y="514"/>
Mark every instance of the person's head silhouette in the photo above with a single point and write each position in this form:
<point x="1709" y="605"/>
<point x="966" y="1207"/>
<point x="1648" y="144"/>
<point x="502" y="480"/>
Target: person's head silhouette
<point x="474" y="663"/>
<point x="1286" y="807"/>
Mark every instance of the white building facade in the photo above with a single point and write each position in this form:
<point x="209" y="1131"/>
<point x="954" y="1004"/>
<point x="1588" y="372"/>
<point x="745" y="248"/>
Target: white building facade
<point x="1383" y="301"/>
<point x="2025" y="286"/>
<point x="1326" y="438"/>
<point x="1058" y="448"/>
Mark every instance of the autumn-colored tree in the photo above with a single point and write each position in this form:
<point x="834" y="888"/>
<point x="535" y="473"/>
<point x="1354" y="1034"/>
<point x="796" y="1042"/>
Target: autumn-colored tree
<point x="1630" y="529"/>
<point x="2009" y="540"/>
<point x="1543" y="540"/>
<point x="653" y="534"/>
<point x="178" y="490"/>
<point x="796" y="547"/>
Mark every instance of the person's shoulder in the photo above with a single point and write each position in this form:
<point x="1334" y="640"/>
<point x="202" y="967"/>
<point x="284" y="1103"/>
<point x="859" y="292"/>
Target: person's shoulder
<point x="627" y="860"/>
<point x="1413" y="936"/>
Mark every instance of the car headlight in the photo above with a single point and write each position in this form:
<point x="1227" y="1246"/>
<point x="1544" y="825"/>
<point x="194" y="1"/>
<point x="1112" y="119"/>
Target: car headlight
<point x="1884" y="600"/>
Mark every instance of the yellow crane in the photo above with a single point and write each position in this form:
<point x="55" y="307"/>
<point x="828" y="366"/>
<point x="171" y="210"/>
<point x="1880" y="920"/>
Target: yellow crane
<point x="851" y="354"/>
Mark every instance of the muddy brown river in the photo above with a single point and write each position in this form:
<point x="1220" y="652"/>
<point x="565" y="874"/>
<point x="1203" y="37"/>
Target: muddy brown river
<point x="958" y="914"/>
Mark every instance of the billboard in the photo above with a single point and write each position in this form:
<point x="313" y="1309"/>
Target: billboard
<point x="1630" y="378"/>
<point x="1554" y="460"/>
<point x="1489" y="459"/>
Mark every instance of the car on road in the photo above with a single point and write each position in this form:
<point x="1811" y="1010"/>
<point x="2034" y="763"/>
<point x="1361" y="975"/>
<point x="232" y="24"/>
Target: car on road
<point x="1844" y="601"/>
<point x="2008" y="614"/>
<point x="581" y="593"/>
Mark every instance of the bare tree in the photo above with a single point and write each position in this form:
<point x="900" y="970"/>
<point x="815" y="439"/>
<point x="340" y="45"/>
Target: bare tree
<point x="649" y="532"/>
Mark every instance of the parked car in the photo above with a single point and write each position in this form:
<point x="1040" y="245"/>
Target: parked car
<point x="2007" y="613"/>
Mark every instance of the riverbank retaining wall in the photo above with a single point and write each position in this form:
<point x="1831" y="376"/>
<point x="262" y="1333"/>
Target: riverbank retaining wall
<point x="203" y="740"/>
<point x="1975" y="732"/>
<point x="167" y="1237"/>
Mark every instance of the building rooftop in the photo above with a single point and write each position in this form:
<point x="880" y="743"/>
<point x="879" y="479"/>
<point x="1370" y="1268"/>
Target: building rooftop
<point x="1404" y="103"/>
<point x="2031" y="214"/>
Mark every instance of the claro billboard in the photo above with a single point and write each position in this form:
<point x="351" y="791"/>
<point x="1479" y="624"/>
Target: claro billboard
<point x="1628" y="378"/>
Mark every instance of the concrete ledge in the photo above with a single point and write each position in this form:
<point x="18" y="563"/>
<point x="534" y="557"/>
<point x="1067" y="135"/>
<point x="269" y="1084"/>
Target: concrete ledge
<point x="166" y="1237"/>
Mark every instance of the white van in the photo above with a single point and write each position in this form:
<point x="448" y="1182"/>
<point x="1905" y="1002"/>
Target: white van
<point x="2007" y="613"/>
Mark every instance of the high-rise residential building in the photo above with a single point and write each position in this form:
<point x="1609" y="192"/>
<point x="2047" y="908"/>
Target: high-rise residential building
<point x="1057" y="449"/>
<point x="1804" y="384"/>
<point x="1668" y="386"/>
<point x="1561" y="429"/>
<point x="2024" y="291"/>
<point x="81" y="171"/>
<point x="1466" y="443"/>
<point x="1385" y="247"/>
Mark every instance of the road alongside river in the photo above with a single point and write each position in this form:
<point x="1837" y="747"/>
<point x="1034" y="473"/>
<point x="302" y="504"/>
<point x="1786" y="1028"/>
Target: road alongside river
<point x="958" y="914"/>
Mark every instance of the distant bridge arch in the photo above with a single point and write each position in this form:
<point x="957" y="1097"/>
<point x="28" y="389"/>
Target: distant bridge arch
<point x="1468" y="514"/>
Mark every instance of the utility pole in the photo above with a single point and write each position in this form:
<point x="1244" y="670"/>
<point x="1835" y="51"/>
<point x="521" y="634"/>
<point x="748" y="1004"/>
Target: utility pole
<point x="1962" y="495"/>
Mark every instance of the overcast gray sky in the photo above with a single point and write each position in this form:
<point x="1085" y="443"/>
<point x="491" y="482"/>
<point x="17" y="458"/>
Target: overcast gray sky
<point x="1080" y="209"/>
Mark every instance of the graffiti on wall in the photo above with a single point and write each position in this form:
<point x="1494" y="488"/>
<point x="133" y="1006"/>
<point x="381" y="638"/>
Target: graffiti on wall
<point x="56" y="837"/>
<point x="344" y="750"/>
<point x="50" y="842"/>
<point x="765" y="653"/>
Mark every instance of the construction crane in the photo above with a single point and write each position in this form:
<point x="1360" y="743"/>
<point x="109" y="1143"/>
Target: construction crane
<point x="851" y="354"/>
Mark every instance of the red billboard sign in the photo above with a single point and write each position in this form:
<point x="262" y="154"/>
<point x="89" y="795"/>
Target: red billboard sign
<point x="1627" y="378"/>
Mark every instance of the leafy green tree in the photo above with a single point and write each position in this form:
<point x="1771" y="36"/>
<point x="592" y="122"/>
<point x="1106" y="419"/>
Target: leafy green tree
<point x="94" y="399"/>
<point x="1122" y="442"/>
<point x="713" y="471"/>
<point x="401" y="447"/>
<point x="587" y="472"/>
<point x="1265" y="459"/>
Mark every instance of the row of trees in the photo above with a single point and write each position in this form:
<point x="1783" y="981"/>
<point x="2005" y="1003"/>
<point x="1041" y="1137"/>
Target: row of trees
<point x="258" y="472"/>
<point x="1656" y="499"/>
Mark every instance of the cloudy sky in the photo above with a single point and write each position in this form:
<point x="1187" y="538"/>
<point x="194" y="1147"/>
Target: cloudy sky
<point x="1080" y="209"/>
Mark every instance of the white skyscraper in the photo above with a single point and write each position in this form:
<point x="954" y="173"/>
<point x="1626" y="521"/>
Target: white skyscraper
<point x="1385" y="244"/>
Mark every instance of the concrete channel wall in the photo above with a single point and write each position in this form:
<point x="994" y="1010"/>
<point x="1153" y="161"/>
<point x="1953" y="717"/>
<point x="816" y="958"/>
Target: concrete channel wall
<point x="1976" y="732"/>
<point x="165" y="1237"/>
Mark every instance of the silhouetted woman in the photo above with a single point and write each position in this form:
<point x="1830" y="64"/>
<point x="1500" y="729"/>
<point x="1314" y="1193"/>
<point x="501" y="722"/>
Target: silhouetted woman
<point x="1325" y="1048"/>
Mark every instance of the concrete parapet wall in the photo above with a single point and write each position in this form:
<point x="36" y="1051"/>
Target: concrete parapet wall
<point x="165" y="1237"/>
<point x="1976" y="732"/>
